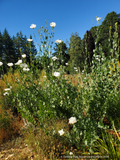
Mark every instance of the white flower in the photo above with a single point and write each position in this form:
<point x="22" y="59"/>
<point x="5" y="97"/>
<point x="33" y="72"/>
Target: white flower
<point x="61" y="132"/>
<point x="48" y="66"/>
<point x="98" y="18"/>
<point x="29" y="40"/>
<point x="70" y="153"/>
<point x="102" y="59"/>
<point x="1" y="63"/>
<point x="58" y="41"/>
<point x="56" y="74"/>
<point x="5" y="93"/>
<point x="32" y="26"/>
<point x="10" y="86"/>
<point x="72" y="120"/>
<point x="97" y="56"/>
<point x="10" y="64"/>
<point x="83" y="71"/>
<point x="26" y="69"/>
<point x="53" y="24"/>
<point x="23" y="65"/>
<point x="98" y="59"/>
<point x="66" y="63"/>
<point x="54" y="58"/>
<point x="24" y="55"/>
<point x="19" y="61"/>
<point x="75" y="68"/>
<point x="44" y="76"/>
<point x="7" y="89"/>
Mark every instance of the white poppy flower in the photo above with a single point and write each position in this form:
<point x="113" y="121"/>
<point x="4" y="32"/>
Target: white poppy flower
<point x="98" y="18"/>
<point x="44" y="76"/>
<point x="97" y="56"/>
<point x="27" y="69"/>
<point x="58" y="41"/>
<point x="54" y="58"/>
<point x="30" y="40"/>
<point x="24" y="69"/>
<point x="1" y="63"/>
<point x="56" y="74"/>
<point x="6" y="93"/>
<point x="72" y="120"/>
<point x="71" y="153"/>
<point x="7" y="89"/>
<point x="53" y="24"/>
<point x="19" y="61"/>
<point x="10" y="64"/>
<point x="23" y="65"/>
<point x="75" y="68"/>
<point x="98" y="59"/>
<point x="24" y="55"/>
<point x="33" y="26"/>
<point x="61" y="132"/>
<point x="66" y="63"/>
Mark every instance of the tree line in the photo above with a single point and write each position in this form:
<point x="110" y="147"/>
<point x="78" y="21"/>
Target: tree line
<point x="79" y="49"/>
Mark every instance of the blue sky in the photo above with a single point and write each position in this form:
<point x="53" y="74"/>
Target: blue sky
<point x="70" y="16"/>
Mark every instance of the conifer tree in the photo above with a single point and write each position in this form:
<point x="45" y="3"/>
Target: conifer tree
<point x="62" y="50"/>
<point x="1" y="47"/>
<point x="109" y="20"/>
<point x="8" y="50"/>
<point x="90" y="47"/>
<point x="75" y="52"/>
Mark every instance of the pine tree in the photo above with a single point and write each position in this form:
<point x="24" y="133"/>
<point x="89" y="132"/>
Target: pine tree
<point x="8" y="50"/>
<point x="109" y="20"/>
<point x="1" y="47"/>
<point x="75" y="52"/>
<point x="63" y="56"/>
<point x="90" y="47"/>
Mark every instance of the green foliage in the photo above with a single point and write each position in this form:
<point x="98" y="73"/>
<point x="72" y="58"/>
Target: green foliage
<point x="75" y="52"/>
<point x="89" y="47"/>
<point x="63" y="57"/>
<point x="108" y="145"/>
<point x="99" y="94"/>
<point x="103" y="35"/>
